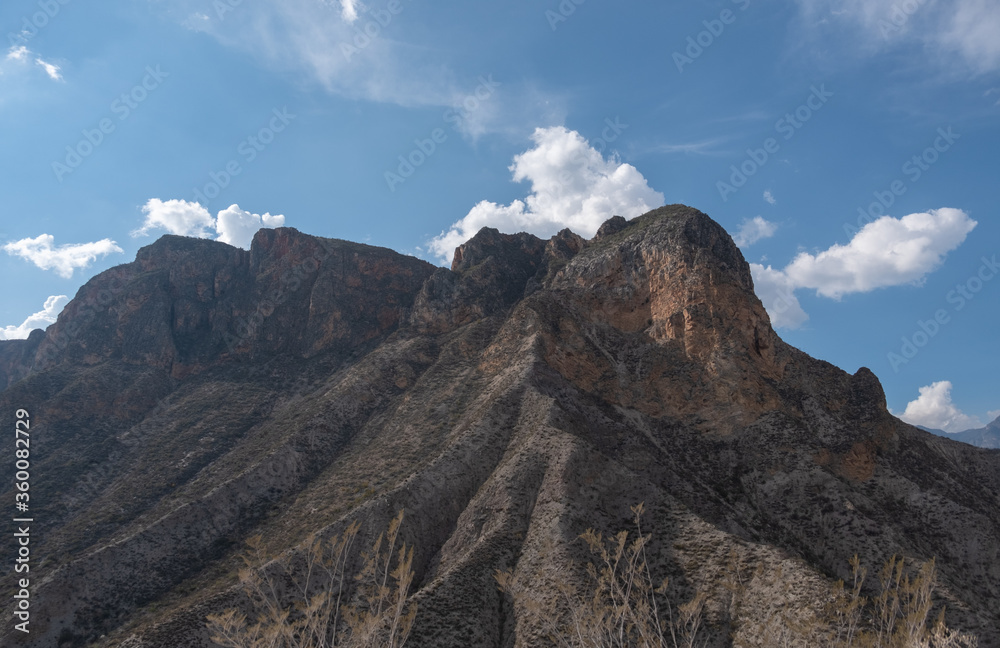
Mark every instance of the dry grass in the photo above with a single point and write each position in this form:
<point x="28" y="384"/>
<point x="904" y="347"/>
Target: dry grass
<point x="379" y="614"/>
<point x="624" y="607"/>
<point x="898" y="616"/>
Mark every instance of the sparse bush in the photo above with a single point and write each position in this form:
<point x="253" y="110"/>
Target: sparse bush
<point x="622" y="608"/>
<point x="625" y="608"/>
<point x="899" y="615"/>
<point x="378" y="615"/>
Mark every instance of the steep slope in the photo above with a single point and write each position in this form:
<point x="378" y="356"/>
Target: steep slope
<point x="534" y="390"/>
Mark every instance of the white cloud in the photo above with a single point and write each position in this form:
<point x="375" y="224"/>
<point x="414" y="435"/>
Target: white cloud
<point x="41" y="319"/>
<point x="349" y="10"/>
<point x="176" y="217"/>
<point x="18" y="53"/>
<point x="377" y="56"/>
<point x="703" y="147"/>
<point x="993" y="414"/>
<point x="966" y="29"/>
<point x="50" y="69"/>
<point x="886" y="252"/>
<point x="934" y="409"/>
<point x="754" y="230"/>
<point x="237" y="226"/>
<point x="769" y="197"/>
<point x="64" y="259"/>
<point x="234" y="226"/>
<point x="348" y="53"/>
<point x="973" y="30"/>
<point x="572" y="185"/>
<point x="777" y="292"/>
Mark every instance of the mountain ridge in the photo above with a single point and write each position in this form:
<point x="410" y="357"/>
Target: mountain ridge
<point x="202" y="394"/>
<point x="987" y="436"/>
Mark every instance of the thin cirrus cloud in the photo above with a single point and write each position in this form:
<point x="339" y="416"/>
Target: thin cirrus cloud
<point x="41" y="319"/>
<point x="349" y="10"/>
<point x="20" y="54"/>
<point x="572" y="185"/>
<point x="966" y="29"/>
<point x="933" y="408"/>
<point x="63" y="259"/>
<point x="378" y="56"/>
<point x="886" y="252"/>
<point x="234" y="226"/>
<point x="328" y="42"/>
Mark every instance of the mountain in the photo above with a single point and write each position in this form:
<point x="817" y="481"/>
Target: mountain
<point x="203" y="394"/>
<point x="984" y="437"/>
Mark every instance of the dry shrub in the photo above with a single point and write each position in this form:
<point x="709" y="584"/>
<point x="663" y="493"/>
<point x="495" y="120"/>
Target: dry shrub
<point x="625" y="608"/>
<point x="379" y="615"/>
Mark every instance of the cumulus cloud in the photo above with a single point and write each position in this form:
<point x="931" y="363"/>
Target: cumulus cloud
<point x="754" y="230"/>
<point x="769" y="197"/>
<point x="572" y="185"/>
<point x="234" y="226"/>
<point x="39" y="320"/>
<point x="237" y="226"/>
<point x="176" y="217"/>
<point x="64" y="259"/>
<point x="777" y="292"/>
<point x="886" y="252"/>
<point x="934" y="409"/>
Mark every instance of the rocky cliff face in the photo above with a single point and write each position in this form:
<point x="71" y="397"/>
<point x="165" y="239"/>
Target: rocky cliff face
<point x="202" y="394"/>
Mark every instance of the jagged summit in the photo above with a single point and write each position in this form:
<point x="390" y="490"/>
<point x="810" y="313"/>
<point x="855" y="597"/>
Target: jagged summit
<point x="203" y="394"/>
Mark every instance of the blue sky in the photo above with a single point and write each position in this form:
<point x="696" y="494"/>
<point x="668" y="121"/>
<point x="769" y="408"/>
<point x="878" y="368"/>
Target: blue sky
<point x="849" y="147"/>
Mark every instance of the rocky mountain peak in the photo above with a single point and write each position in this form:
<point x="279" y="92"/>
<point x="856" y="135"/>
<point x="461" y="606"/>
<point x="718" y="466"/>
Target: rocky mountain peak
<point x="676" y="275"/>
<point x="203" y="394"/>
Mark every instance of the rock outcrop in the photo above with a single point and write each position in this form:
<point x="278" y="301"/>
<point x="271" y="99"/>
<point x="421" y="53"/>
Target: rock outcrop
<point x="203" y="394"/>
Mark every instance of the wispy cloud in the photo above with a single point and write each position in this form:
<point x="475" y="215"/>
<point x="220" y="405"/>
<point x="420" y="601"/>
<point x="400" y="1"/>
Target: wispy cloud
<point x="349" y="10"/>
<point x="381" y="56"/>
<point x="769" y="197"/>
<point x="50" y="68"/>
<point x="344" y="50"/>
<point x="21" y="55"/>
<point x="18" y="53"/>
<point x="962" y="30"/>
<point x="701" y="147"/>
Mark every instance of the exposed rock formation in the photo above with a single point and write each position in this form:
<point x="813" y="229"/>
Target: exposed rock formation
<point x="202" y="394"/>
